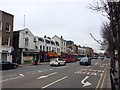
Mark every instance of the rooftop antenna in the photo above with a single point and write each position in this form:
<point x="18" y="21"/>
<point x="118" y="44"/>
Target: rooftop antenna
<point x="24" y="21"/>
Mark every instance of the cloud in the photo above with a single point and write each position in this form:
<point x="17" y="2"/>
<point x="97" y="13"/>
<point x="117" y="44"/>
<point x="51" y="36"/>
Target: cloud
<point x="68" y="18"/>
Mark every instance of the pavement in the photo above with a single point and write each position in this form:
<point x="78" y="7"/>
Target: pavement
<point x="30" y="64"/>
<point x="109" y="81"/>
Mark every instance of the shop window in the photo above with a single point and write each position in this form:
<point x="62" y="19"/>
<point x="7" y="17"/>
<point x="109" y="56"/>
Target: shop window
<point x="8" y="26"/>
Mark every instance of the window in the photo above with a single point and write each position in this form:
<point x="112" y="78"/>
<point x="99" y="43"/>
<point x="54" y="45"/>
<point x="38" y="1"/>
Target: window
<point x="47" y="41"/>
<point x="26" y="42"/>
<point x="40" y="39"/>
<point x="47" y="49"/>
<point x="43" y="48"/>
<point x="52" y="48"/>
<point x="57" y="43"/>
<point x="5" y="41"/>
<point x="8" y="26"/>
<point x="55" y="49"/>
<point x="52" y="42"/>
<point x="40" y="48"/>
<point x="0" y="25"/>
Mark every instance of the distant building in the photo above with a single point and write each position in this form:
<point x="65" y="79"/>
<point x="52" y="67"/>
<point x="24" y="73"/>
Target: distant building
<point x="69" y="42"/>
<point x="71" y="47"/>
<point x="6" y="36"/>
<point x="89" y="51"/>
<point x="81" y="50"/>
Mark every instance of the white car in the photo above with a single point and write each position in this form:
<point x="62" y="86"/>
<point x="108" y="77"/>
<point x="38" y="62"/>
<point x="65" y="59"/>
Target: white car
<point x="57" y="61"/>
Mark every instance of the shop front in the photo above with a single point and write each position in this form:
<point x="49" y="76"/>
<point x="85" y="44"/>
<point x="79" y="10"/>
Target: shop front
<point x="30" y="56"/>
<point x="43" y="56"/>
<point x="6" y="54"/>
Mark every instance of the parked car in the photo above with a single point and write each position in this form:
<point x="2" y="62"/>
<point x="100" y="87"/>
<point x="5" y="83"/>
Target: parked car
<point x="85" y="61"/>
<point x="57" y="61"/>
<point x="5" y="65"/>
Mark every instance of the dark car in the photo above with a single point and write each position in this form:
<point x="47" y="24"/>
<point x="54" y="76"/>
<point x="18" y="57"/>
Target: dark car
<point x="81" y="56"/>
<point x="5" y="65"/>
<point x="85" y="61"/>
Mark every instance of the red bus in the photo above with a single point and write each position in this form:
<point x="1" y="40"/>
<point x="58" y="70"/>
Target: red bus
<point x="69" y="57"/>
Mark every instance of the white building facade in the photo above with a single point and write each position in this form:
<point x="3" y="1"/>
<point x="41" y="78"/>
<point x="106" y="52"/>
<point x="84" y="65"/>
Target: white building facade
<point x="24" y="46"/>
<point x="47" y="44"/>
<point x="62" y="42"/>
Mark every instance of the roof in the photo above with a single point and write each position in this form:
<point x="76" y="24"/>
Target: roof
<point x="6" y="13"/>
<point x="58" y="37"/>
<point x="23" y="30"/>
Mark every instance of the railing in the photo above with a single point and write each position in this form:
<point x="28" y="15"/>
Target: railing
<point x="114" y="80"/>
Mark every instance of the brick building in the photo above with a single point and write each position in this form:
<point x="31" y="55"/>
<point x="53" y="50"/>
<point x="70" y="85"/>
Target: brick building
<point x="6" y="36"/>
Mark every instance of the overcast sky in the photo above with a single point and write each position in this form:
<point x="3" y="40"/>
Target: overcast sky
<point x="68" y="18"/>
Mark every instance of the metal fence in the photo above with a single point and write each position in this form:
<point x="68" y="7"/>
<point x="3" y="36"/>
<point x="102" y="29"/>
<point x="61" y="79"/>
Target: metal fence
<point x="114" y="80"/>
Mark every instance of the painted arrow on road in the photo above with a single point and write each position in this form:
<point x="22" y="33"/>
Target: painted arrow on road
<point x="85" y="83"/>
<point x="47" y="75"/>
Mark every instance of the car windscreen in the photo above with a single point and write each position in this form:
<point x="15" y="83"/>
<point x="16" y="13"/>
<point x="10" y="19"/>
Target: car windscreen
<point x="84" y="59"/>
<point x="53" y="59"/>
<point x="81" y="56"/>
<point x="63" y="55"/>
<point x="60" y="59"/>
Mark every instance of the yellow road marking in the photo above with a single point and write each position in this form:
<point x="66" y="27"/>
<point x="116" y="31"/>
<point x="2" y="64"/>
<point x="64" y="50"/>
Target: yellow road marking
<point x="103" y="79"/>
<point x="102" y="76"/>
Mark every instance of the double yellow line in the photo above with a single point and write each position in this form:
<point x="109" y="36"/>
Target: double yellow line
<point x="101" y="80"/>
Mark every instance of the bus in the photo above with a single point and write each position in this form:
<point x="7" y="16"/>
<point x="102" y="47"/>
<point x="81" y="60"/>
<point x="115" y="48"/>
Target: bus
<point x="69" y="57"/>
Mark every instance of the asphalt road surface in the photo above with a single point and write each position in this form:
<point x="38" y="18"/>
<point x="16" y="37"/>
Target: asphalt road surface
<point x="72" y="75"/>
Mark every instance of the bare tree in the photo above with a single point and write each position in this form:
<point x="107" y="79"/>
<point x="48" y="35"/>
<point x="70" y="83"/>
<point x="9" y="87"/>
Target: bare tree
<point x="100" y="6"/>
<point x="110" y="32"/>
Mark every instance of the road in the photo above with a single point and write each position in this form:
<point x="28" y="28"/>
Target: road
<point x="72" y="75"/>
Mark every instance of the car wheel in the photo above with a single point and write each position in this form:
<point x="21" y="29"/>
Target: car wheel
<point x="58" y="63"/>
<point x="90" y="63"/>
<point x="79" y="63"/>
<point x="15" y="66"/>
<point x="64" y="63"/>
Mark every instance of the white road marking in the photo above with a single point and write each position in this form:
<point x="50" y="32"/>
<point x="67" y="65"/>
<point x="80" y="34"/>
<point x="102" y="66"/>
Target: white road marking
<point x="94" y="73"/>
<point x="47" y="75"/>
<point x="39" y="71"/>
<point x="21" y="74"/>
<point x="55" y="82"/>
<point x="101" y="65"/>
<point x="95" y="63"/>
<point x="12" y="78"/>
<point x="85" y="83"/>
<point x="89" y="72"/>
<point x="88" y="66"/>
<point x="51" y="69"/>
